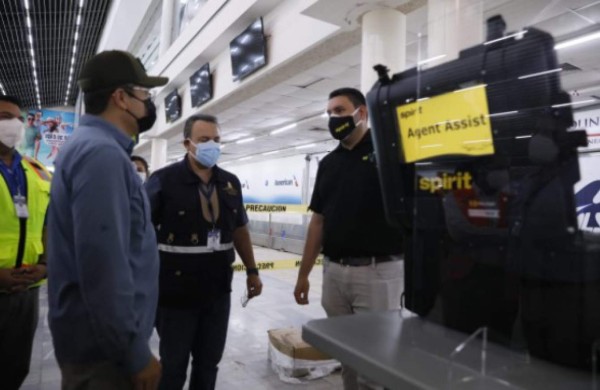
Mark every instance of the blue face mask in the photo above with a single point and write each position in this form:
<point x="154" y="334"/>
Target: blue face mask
<point x="207" y="153"/>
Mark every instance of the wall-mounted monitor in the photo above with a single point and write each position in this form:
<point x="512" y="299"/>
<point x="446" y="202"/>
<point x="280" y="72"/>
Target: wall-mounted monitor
<point x="248" y="51"/>
<point x="201" y="86"/>
<point x="172" y="106"/>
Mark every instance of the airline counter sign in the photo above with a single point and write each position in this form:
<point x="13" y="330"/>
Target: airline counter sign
<point x="455" y="123"/>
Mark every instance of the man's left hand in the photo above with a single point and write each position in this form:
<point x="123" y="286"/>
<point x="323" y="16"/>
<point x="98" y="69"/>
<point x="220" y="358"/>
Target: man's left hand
<point x="34" y="273"/>
<point x="254" y="285"/>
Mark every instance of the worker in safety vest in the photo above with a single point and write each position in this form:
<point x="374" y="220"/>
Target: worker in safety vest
<point x="24" y="197"/>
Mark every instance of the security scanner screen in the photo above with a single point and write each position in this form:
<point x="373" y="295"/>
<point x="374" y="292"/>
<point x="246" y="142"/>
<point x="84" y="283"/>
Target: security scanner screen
<point x="476" y="162"/>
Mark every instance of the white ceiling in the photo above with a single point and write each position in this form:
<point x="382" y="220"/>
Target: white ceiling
<point x="302" y="99"/>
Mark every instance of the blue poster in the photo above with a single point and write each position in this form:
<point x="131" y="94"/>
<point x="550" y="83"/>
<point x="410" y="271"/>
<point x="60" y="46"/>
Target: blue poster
<point x="45" y="133"/>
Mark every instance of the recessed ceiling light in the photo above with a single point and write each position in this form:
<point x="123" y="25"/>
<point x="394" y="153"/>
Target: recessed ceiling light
<point x="284" y="128"/>
<point x="577" y="40"/>
<point x="245" y="140"/>
<point x="306" y="146"/>
<point x="271" y="152"/>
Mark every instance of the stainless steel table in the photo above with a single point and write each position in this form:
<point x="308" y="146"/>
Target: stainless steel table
<point x="406" y="352"/>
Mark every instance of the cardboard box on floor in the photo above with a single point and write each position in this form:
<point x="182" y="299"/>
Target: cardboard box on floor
<point x="289" y="342"/>
<point x="294" y="360"/>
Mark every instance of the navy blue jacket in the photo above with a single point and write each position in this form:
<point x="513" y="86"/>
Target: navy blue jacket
<point x="189" y="279"/>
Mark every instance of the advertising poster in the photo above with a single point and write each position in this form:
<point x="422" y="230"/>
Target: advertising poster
<point x="273" y="183"/>
<point x="587" y="193"/>
<point x="590" y="121"/>
<point x="45" y="133"/>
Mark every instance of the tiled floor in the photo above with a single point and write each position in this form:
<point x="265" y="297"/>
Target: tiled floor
<point x="245" y="364"/>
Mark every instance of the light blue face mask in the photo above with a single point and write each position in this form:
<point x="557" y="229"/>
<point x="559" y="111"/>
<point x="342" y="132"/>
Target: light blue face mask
<point x="207" y="153"/>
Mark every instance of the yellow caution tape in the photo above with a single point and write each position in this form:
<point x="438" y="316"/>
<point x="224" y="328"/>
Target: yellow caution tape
<point x="276" y="208"/>
<point x="274" y="265"/>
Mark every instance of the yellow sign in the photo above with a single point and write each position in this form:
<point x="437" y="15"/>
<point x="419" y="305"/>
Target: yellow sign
<point x="276" y="208"/>
<point x="455" y="123"/>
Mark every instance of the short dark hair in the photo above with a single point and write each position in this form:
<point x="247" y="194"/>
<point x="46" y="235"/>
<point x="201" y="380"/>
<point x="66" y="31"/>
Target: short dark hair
<point x="97" y="101"/>
<point x="11" y="99"/>
<point x="353" y="94"/>
<point x="141" y="159"/>
<point x="189" y="123"/>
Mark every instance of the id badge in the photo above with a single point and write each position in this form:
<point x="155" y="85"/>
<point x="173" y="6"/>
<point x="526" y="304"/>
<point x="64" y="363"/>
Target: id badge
<point x="214" y="239"/>
<point x="21" y="206"/>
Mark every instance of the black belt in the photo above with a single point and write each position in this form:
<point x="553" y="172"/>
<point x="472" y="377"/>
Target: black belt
<point x="363" y="260"/>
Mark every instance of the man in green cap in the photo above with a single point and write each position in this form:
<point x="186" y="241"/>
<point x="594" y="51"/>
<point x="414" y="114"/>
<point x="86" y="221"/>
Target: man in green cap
<point x="102" y="253"/>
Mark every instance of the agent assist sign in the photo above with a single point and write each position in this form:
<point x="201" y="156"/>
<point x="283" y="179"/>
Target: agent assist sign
<point x="455" y="123"/>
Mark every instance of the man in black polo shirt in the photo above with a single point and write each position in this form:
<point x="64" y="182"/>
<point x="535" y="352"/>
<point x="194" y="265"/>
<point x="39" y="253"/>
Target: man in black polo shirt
<point x="362" y="267"/>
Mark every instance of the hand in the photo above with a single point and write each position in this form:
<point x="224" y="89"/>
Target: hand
<point x="148" y="378"/>
<point x="13" y="281"/>
<point x="34" y="273"/>
<point x="254" y="285"/>
<point x="301" y="291"/>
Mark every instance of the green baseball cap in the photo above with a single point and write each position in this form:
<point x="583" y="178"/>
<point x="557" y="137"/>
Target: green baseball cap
<point x="114" y="68"/>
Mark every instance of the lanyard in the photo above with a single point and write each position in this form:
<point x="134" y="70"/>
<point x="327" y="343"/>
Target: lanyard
<point x="207" y="191"/>
<point x="14" y="177"/>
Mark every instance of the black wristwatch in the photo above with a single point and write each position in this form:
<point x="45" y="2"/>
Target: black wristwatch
<point x="251" y="271"/>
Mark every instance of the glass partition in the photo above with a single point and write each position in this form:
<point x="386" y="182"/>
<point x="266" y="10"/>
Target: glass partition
<point x="485" y="161"/>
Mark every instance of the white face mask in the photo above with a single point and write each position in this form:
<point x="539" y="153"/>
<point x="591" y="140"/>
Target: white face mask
<point x="142" y="176"/>
<point x="11" y="132"/>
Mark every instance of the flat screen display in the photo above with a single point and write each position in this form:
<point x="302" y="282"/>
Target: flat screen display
<point x="172" y="106"/>
<point x="248" y="51"/>
<point x="201" y="86"/>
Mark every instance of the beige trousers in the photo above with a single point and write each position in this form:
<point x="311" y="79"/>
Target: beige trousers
<point x="349" y="290"/>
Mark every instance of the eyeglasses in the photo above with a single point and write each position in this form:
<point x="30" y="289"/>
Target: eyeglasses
<point x="147" y="93"/>
<point x="8" y="116"/>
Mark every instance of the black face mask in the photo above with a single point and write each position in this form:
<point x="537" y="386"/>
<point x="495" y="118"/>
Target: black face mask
<point x="146" y="122"/>
<point x="341" y="127"/>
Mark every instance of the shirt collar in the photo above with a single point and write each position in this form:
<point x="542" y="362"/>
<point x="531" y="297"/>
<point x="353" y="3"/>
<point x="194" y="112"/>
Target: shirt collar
<point x="119" y="135"/>
<point x="15" y="162"/>
<point x="191" y="177"/>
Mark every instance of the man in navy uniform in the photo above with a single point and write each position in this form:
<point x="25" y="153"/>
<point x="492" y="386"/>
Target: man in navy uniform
<point x="200" y="218"/>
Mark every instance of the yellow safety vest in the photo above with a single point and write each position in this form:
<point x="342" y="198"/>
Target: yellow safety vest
<point x="38" y="197"/>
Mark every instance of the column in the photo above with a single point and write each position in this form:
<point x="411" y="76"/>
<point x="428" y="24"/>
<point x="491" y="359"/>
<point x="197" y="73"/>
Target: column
<point x="383" y="42"/>
<point x="452" y="25"/>
<point x="166" y="26"/>
<point x="305" y="188"/>
<point x="158" y="154"/>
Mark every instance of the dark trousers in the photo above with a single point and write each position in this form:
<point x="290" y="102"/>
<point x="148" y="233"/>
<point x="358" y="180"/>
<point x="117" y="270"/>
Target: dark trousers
<point x="18" y="321"/>
<point x="200" y="332"/>
<point x="95" y="376"/>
